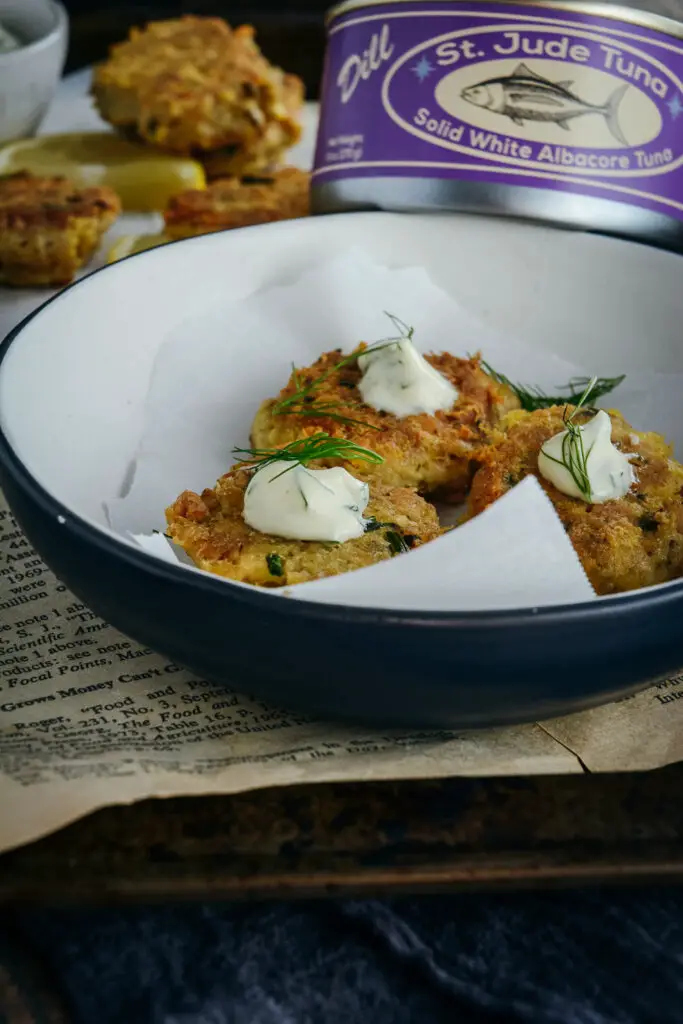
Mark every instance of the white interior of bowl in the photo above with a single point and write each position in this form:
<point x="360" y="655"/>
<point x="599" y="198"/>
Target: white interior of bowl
<point x="74" y="382"/>
<point x="29" y="20"/>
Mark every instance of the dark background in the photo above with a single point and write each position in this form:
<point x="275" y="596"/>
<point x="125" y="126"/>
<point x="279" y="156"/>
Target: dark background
<point x="291" y="35"/>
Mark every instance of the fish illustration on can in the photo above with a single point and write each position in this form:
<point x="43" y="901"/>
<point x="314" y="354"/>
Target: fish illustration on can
<point x="526" y="96"/>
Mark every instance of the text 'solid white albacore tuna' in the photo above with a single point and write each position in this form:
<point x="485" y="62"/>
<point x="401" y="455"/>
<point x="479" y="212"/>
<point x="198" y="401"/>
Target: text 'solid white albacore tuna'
<point x="570" y="113"/>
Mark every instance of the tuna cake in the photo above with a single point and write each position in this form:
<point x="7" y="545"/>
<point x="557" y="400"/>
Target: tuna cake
<point x="633" y="541"/>
<point x="49" y="228"/>
<point x="239" y="202"/>
<point x="434" y="453"/>
<point x="212" y="530"/>
<point x="269" y="147"/>
<point x="196" y="86"/>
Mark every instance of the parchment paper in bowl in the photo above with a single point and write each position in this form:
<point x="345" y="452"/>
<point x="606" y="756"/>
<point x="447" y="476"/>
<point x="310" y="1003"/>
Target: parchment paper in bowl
<point x="212" y="374"/>
<point x="516" y="554"/>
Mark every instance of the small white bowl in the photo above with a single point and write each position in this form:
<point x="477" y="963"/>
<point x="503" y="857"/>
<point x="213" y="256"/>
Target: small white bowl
<point x="29" y="75"/>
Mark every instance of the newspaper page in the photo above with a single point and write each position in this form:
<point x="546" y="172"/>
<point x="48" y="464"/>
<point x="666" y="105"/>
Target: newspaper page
<point x="88" y="718"/>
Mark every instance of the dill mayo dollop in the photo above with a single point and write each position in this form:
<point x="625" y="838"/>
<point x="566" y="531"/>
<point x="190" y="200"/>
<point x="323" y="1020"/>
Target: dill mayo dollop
<point x="608" y="472"/>
<point x="306" y="504"/>
<point x="397" y="379"/>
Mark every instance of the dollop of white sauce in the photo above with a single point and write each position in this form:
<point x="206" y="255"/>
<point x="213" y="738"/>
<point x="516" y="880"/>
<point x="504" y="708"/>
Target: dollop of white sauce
<point x="397" y="379"/>
<point x="306" y="504"/>
<point x="610" y="473"/>
<point x="8" y="41"/>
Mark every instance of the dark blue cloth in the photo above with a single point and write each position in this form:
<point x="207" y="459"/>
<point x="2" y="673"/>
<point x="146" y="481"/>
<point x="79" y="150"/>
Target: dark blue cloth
<point x="548" y="958"/>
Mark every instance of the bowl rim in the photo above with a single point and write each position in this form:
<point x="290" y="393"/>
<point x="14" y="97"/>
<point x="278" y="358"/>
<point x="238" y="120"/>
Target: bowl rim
<point x="601" y="607"/>
<point x="54" y="35"/>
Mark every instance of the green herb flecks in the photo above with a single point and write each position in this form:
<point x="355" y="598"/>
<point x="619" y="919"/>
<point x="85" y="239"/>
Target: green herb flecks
<point x="396" y="542"/>
<point x="275" y="566"/>
<point x="307" y="402"/>
<point x="305" y="451"/>
<point x="372" y="524"/>
<point x="574" y="455"/>
<point x="532" y="398"/>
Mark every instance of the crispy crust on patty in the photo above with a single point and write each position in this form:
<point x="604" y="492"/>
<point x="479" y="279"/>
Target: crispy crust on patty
<point x="632" y="542"/>
<point x="266" y="151"/>
<point x="236" y="203"/>
<point x="198" y="87"/>
<point x="434" y="454"/>
<point x="49" y="228"/>
<point x="211" y="529"/>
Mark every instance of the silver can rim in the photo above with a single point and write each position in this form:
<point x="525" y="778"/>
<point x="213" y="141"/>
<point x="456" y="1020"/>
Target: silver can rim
<point x="615" y="12"/>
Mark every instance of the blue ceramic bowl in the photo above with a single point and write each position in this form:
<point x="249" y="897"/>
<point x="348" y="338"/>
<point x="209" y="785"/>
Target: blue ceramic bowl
<point x="73" y="382"/>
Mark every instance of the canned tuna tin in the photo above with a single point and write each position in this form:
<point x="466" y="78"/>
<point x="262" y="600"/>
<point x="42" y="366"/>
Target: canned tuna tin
<point x="570" y="113"/>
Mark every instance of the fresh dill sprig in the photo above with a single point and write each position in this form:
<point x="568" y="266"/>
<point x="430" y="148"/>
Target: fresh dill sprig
<point x="305" y="400"/>
<point x="531" y="398"/>
<point x="328" y="410"/>
<point x="306" y="450"/>
<point x="574" y="455"/>
<point x="405" y="332"/>
<point x="396" y="542"/>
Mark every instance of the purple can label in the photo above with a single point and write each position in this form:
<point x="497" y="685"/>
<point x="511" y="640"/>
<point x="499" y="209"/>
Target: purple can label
<point x="517" y="94"/>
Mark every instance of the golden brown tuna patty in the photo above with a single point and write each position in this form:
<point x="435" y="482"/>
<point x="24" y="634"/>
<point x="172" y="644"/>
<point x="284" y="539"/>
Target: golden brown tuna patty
<point x="433" y="454"/>
<point x="198" y="87"/>
<point x="238" y="203"/>
<point x="211" y="529"/>
<point x="49" y="228"/>
<point x="632" y="542"/>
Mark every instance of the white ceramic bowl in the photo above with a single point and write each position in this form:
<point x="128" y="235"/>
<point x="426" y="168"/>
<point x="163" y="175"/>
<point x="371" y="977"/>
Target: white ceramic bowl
<point x="29" y="75"/>
<point x="73" y="397"/>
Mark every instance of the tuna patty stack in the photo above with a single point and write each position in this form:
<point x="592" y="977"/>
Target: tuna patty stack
<point x="197" y="87"/>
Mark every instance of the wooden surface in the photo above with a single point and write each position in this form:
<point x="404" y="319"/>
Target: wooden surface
<point x="363" y="838"/>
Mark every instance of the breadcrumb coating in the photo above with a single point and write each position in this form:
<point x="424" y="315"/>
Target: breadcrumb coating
<point x="211" y="529"/>
<point x="49" y="228"/>
<point x="632" y="542"/>
<point x="198" y="87"/>
<point x="239" y="202"/>
<point x="436" y="454"/>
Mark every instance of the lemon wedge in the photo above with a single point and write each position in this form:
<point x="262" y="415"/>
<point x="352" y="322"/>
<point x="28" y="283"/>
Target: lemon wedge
<point x="130" y="244"/>
<point x="144" y="179"/>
